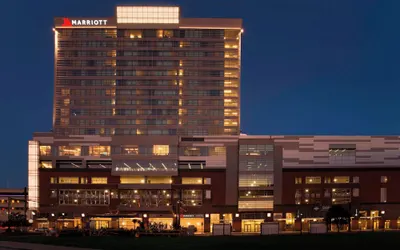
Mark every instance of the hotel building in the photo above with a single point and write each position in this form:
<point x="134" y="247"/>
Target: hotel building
<point x="146" y="128"/>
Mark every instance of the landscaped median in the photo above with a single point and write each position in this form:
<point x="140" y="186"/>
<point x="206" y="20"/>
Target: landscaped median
<point x="327" y="241"/>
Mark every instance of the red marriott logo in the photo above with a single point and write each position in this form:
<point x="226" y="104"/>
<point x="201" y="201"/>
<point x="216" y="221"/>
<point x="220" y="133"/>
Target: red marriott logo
<point x="66" y="22"/>
<point x="83" y="22"/>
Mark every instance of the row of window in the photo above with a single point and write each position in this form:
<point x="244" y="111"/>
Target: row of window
<point x="147" y="131"/>
<point x="335" y="179"/>
<point x="129" y="198"/>
<point x="148" y="63"/>
<point x="146" y="44"/>
<point x="45" y="150"/>
<point x="182" y="83"/>
<point x="113" y="72"/>
<point x="149" y="33"/>
<point x="146" y="53"/>
<point x="131" y="180"/>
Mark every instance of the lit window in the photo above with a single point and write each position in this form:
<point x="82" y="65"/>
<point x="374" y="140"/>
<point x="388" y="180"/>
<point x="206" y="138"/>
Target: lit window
<point x="46" y="164"/>
<point x="159" y="180"/>
<point x="341" y="179"/>
<point x="298" y="180"/>
<point x="192" y="181"/>
<point x="45" y="150"/>
<point x="356" y="179"/>
<point x="69" y="150"/>
<point x="327" y="180"/>
<point x="132" y="180"/>
<point x="383" y="195"/>
<point x="161" y="149"/>
<point x="130" y="150"/>
<point x="84" y="180"/>
<point x="215" y="151"/>
<point x="356" y="192"/>
<point x="313" y="180"/>
<point x="99" y="150"/>
<point x="53" y="180"/>
<point x="208" y="194"/>
<point x="99" y="180"/>
<point x="207" y="181"/>
<point x="68" y="180"/>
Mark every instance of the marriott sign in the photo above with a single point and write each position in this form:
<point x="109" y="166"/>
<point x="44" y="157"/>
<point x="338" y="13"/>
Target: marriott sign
<point x="83" y="22"/>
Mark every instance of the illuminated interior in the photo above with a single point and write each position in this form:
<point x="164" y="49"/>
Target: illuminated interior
<point x="161" y="149"/>
<point x="68" y="180"/>
<point x="196" y="222"/>
<point x="69" y="150"/>
<point x="33" y="175"/>
<point x="132" y="180"/>
<point x="99" y="150"/>
<point x="99" y="180"/>
<point x="147" y="14"/>
<point x="45" y="150"/>
<point x="192" y="181"/>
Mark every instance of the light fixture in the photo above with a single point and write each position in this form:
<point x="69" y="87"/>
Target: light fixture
<point x="237" y="215"/>
<point x="83" y="215"/>
<point x="135" y="191"/>
<point x="307" y="190"/>
<point x="383" y="212"/>
<point x="314" y="220"/>
<point x="52" y="215"/>
<point x="207" y="215"/>
<point x="269" y="215"/>
<point x="106" y="191"/>
<point x="77" y="191"/>
<point x="63" y="214"/>
<point x="144" y="215"/>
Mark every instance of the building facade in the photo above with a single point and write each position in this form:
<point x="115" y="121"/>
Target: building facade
<point x="146" y="129"/>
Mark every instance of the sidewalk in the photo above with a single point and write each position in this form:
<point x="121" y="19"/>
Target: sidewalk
<point x="30" y="246"/>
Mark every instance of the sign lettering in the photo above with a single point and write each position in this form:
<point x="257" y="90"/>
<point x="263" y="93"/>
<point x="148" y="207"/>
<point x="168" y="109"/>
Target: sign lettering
<point x="83" y="22"/>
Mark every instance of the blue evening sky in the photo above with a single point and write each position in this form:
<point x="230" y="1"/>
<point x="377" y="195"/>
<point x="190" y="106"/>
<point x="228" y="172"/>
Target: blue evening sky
<point x="309" y="66"/>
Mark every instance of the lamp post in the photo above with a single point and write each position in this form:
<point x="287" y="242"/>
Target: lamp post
<point x="383" y="219"/>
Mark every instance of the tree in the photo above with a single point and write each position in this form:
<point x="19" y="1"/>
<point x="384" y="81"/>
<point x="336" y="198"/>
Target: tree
<point x="337" y="215"/>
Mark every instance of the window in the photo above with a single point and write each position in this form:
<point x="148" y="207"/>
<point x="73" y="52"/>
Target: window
<point x="53" y="193"/>
<point x="192" y="181"/>
<point x="327" y="180"/>
<point x="84" y="180"/>
<point x="252" y="149"/>
<point x="208" y="194"/>
<point x="341" y="195"/>
<point x="383" y="195"/>
<point x="256" y="180"/>
<point x="69" y="150"/>
<point x="327" y="193"/>
<point x="132" y="180"/>
<point x="192" y="197"/>
<point x="130" y="150"/>
<point x="207" y="181"/>
<point x="341" y="179"/>
<point x="159" y="180"/>
<point x="45" y="150"/>
<point x="250" y="194"/>
<point x="356" y="192"/>
<point x="297" y="196"/>
<point x="83" y="197"/>
<point x="99" y="150"/>
<point x="256" y="164"/>
<point x="99" y="180"/>
<point x="145" y="198"/>
<point x="53" y="180"/>
<point x="161" y="149"/>
<point x="384" y="179"/>
<point x="356" y="179"/>
<point x="342" y="155"/>
<point x="313" y="180"/>
<point x="298" y="180"/>
<point x="68" y="180"/>
<point x="46" y="164"/>
<point x="215" y="151"/>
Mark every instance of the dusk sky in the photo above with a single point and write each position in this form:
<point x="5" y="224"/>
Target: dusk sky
<point x="308" y="66"/>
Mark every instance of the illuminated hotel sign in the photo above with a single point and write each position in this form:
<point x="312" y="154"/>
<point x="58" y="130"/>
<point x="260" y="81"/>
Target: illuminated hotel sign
<point x="67" y="22"/>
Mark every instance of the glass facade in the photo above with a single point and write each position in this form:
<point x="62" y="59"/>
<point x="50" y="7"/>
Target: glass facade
<point x="113" y="81"/>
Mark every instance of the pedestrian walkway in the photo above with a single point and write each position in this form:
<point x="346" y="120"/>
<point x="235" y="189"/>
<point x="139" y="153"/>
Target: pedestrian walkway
<point x="8" y="245"/>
